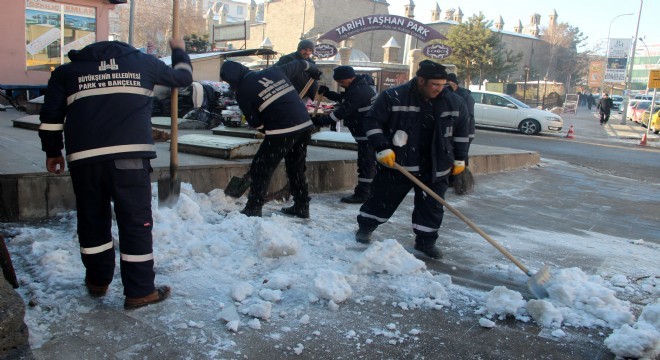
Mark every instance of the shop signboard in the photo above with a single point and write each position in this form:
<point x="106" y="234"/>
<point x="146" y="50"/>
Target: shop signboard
<point x="617" y="60"/>
<point x="230" y="32"/>
<point x="571" y="103"/>
<point x="389" y="79"/>
<point x="324" y="51"/>
<point x="437" y="51"/>
<point x="366" y="23"/>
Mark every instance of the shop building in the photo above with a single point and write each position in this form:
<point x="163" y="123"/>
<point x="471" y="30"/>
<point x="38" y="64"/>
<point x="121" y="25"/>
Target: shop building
<point x="39" y="33"/>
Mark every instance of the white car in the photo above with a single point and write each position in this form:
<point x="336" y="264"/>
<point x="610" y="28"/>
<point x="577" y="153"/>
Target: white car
<point x="616" y="102"/>
<point x="501" y="110"/>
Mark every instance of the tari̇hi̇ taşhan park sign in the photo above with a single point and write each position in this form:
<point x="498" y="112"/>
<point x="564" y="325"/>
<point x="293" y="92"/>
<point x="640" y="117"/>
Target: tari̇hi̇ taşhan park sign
<point x="382" y="22"/>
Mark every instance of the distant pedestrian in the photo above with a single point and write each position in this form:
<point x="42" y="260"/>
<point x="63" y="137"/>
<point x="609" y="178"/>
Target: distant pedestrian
<point x="353" y="105"/>
<point x="105" y="95"/>
<point x="605" y="106"/>
<point x="591" y="101"/>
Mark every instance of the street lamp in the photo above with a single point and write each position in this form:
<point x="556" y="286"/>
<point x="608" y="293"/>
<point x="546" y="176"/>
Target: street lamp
<point x="545" y="86"/>
<point x="602" y="84"/>
<point x="526" y="70"/>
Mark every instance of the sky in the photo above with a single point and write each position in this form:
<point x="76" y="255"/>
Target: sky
<point x="593" y="17"/>
<point x="314" y="267"/>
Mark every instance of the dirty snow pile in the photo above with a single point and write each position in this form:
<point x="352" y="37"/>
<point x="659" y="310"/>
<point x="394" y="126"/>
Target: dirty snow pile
<point x="248" y="269"/>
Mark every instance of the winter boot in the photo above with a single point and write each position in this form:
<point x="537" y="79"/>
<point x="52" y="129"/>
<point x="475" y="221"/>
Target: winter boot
<point x="363" y="236"/>
<point x="251" y="210"/>
<point x="429" y="250"/>
<point x="298" y="209"/>
<point x="354" y="199"/>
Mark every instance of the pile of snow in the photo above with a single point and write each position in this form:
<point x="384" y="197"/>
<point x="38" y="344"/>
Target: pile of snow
<point x="260" y="267"/>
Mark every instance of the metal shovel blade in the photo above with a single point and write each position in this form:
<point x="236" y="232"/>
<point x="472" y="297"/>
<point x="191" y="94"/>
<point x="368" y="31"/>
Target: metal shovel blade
<point x="537" y="281"/>
<point x="237" y="186"/>
<point x="168" y="191"/>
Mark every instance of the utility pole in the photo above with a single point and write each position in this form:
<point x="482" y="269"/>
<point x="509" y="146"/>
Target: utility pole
<point x="632" y="62"/>
<point x="131" y="15"/>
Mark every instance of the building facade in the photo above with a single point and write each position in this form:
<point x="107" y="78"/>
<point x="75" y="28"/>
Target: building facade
<point x="39" y="33"/>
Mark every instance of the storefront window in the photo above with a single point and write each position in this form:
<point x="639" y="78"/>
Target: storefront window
<point x="48" y="25"/>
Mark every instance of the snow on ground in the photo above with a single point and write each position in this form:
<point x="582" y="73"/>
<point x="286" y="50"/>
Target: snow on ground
<point x="248" y="269"/>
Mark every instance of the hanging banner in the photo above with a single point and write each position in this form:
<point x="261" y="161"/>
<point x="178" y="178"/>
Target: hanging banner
<point x="596" y="69"/>
<point x="382" y="22"/>
<point x="617" y="60"/>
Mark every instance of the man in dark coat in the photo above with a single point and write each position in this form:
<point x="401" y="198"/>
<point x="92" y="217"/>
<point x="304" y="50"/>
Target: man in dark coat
<point x="304" y="52"/>
<point x="591" y="101"/>
<point x="605" y="106"/>
<point x="271" y="105"/>
<point x="105" y="94"/>
<point x="426" y="130"/>
<point x="353" y="105"/>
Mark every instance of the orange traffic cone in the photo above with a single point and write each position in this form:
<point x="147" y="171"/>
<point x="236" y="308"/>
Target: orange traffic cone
<point x="643" y="142"/>
<point x="570" y="134"/>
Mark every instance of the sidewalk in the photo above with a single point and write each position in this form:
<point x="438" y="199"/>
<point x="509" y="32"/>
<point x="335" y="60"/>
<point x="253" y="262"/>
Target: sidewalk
<point x="586" y="127"/>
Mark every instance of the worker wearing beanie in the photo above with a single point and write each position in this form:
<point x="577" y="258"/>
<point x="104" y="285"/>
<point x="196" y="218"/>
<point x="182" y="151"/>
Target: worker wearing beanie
<point x="352" y="105"/>
<point x="425" y="129"/>
<point x="304" y="52"/>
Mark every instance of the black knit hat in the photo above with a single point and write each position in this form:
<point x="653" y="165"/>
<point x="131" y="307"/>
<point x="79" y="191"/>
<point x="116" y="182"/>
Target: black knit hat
<point x="452" y="77"/>
<point x="343" y="72"/>
<point x="431" y="70"/>
<point x="305" y="44"/>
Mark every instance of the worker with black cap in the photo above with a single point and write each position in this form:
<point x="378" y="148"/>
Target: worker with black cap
<point x="352" y="105"/>
<point x="426" y="131"/>
<point x="466" y="94"/>
<point x="304" y="52"/>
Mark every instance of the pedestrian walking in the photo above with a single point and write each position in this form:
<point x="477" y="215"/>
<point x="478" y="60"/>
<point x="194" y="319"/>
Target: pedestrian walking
<point x="105" y="94"/>
<point x="591" y="101"/>
<point x="605" y="106"/>
<point x="271" y="105"/>
<point x="426" y="131"/>
<point x="299" y="80"/>
<point x="352" y="105"/>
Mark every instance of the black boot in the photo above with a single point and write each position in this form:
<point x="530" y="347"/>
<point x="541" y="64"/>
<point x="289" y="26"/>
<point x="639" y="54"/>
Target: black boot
<point x="363" y="236"/>
<point x="251" y="209"/>
<point x="354" y="199"/>
<point x="429" y="250"/>
<point x="298" y="209"/>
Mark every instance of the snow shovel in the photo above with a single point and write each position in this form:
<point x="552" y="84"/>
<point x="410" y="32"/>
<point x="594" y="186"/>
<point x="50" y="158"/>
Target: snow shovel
<point x="535" y="282"/>
<point x="169" y="187"/>
<point x="238" y="185"/>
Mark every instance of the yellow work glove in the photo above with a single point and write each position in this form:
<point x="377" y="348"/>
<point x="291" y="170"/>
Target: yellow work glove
<point x="386" y="157"/>
<point x="459" y="167"/>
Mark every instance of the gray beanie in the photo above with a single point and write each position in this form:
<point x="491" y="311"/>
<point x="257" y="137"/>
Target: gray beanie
<point x="305" y="44"/>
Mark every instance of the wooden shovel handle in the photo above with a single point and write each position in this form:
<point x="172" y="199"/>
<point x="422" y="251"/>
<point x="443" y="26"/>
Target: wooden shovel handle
<point x="469" y="222"/>
<point x="174" y="107"/>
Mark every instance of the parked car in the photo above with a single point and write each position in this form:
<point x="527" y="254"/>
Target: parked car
<point x="616" y="102"/>
<point x="499" y="110"/>
<point x="646" y="115"/>
<point x="655" y="123"/>
<point x="630" y="104"/>
<point x="639" y="109"/>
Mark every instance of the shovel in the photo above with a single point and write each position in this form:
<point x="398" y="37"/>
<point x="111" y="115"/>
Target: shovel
<point x="238" y="185"/>
<point x="169" y="187"/>
<point x="535" y="282"/>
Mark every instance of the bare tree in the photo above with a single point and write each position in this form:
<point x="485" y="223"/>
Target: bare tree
<point x="152" y="23"/>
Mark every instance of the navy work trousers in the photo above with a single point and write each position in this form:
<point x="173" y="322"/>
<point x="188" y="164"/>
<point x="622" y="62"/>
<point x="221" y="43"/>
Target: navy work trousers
<point x="389" y="189"/>
<point x="127" y="184"/>
<point x="293" y="149"/>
